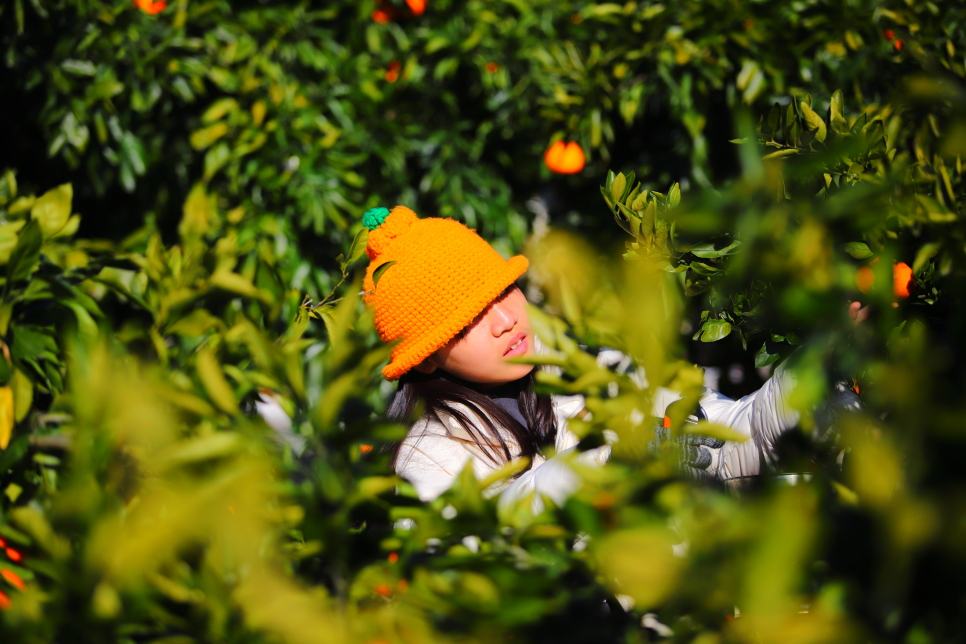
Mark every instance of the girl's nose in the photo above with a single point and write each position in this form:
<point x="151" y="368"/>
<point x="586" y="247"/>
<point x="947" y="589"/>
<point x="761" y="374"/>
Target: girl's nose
<point x="502" y="318"/>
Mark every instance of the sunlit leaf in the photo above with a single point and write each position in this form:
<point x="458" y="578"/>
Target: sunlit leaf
<point x="858" y="250"/>
<point x="714" y="330"/>
<point x="215" y="384"/>
<point x="52" y="209"/>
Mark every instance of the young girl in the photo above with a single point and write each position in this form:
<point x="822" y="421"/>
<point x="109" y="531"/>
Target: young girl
<point x="450" y="305"/>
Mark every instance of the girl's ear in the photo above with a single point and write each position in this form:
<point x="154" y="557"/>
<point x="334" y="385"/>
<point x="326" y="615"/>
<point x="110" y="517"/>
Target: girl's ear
<point x="427" y="366"/>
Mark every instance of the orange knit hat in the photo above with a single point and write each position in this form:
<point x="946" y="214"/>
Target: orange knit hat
<point x="427" y="279"/>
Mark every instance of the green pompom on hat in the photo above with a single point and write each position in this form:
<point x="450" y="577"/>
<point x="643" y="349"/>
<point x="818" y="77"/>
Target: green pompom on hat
<point x="374" y="217"/>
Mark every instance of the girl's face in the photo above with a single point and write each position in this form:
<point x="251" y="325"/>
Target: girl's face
<point x="479" y="353"/>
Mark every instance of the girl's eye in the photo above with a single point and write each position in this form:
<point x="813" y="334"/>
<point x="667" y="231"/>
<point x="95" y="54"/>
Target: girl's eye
<point x="466" y="329"/>
<point x="505" y="292"/>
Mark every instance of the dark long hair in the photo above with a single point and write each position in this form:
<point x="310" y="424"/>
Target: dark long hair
<point x="440" y="393"/>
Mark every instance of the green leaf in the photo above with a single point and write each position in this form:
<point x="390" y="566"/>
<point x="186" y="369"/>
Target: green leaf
<point x="377" y="274"/>
<point x="78" y="67"/>
<point x="15" y="451"/>
<point x="774" y="120"/>
<point x="25" y="254"/>
<point x="133" y="151"/>
<point x="605" y="193"/>
<point x="766" y="355"/>
<point x="715" y="249"/>
<point x="628" y="185"/>
<point x="924" y="254"/>
<point x="32" y="342"/>
<point x="858" y="250"/>
<point x="703" y="269"/>
<point x="52" y="209"/>
<point x="6" y="312"/>
<point x="357" y="249"/>
<point x="86" y="326"/>
<point x="714" y="330"/>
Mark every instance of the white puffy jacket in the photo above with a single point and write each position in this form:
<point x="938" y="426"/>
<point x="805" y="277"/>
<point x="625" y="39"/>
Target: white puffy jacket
<point x="434" y="453"/>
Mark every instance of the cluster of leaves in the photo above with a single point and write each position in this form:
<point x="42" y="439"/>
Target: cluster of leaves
<point x="888" y="158"/>
<point x="143" y="498"/>
<point x="315" y="115"/>
<point x="169" y="349"/>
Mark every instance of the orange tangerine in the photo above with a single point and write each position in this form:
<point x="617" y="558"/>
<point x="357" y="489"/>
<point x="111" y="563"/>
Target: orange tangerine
<point x="14" y="579"/>
<point x="901" y="280"/>
<point x="565" y="158"/>
<point x="417" y="6"/>
<point x="383" y="589"/>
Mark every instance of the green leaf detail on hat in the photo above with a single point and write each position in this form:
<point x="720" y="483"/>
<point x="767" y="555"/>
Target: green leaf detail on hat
<point x="374" y="217"/>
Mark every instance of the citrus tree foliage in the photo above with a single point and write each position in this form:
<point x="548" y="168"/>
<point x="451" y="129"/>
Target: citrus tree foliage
<point x="885" y="182"/>
<point x="315" y="113"/>
<point x="145" y="500"/>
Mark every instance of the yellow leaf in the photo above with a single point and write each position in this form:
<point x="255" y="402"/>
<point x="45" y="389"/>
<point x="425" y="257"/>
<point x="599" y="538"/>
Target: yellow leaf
<point x="52" y="210"/>
<point x="639" y="563"/>
<point x="6" y="416"/>
<point x="813" y="121"/>
<point x="213" y="379"/>
<point x="23" y="394"/>
<point x="199" y="212"/>
<point x="714" y="430"/>
<point x="217" y="445"/>
<point x="782" y="153"/>
<point x="8" y="239"/>
<point x="258" y="113"/>
<point x="70" y="227"/>
<point x="235" y="283"/>
<point x="219" y="109"/>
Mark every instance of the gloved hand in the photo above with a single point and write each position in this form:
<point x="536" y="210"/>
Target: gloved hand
<point x="695" y="452"/>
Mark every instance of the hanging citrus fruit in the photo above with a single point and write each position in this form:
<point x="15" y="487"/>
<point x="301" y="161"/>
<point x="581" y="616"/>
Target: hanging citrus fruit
<point x="901" y="280"/>
<point x="386" y="13"/>
<point x="151" y="7"/>
<point x="417" y="6"/>
<point x="865" y="278"/>
<point x="565" y="158"/>
<point x="392" y="74"/>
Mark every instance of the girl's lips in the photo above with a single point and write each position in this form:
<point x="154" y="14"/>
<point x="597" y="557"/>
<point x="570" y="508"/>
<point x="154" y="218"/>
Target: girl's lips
<point x="519" y="349"/>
